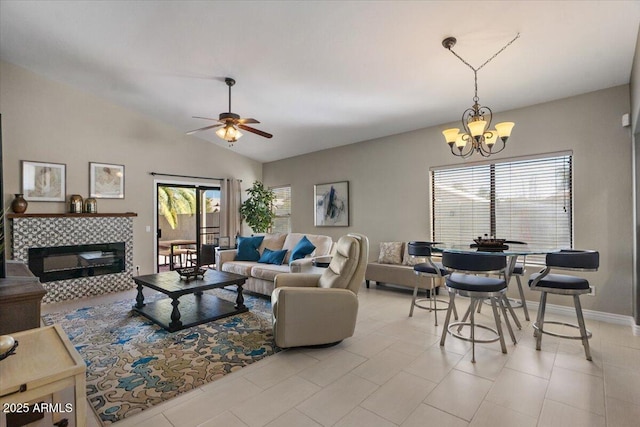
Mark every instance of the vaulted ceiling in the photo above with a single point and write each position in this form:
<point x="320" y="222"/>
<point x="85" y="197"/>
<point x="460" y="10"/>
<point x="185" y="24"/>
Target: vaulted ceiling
<point x="319" y="74"/>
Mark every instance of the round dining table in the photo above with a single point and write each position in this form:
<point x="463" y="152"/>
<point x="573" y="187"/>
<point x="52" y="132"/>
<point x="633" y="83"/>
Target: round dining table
<point x="511" y="250"/>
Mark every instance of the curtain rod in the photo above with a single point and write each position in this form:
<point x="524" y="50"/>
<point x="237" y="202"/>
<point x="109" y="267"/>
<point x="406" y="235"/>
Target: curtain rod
<point x="188" y="176"/>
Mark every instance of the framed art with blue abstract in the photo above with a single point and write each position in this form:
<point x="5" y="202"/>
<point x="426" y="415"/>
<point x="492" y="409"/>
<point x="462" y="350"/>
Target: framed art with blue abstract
<point x="332" y="204"/>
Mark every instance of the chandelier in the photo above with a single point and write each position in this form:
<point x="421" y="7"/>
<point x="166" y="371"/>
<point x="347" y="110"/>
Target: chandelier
<point x="477" y="135"/>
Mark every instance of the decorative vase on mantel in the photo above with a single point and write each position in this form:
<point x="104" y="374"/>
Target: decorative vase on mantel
<point x="19" y="204"/>
<point x="90" y="205"/>
<point x="75" y="203"/>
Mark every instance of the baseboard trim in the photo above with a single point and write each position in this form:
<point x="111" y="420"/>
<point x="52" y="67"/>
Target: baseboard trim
<point x="617" y="319"/>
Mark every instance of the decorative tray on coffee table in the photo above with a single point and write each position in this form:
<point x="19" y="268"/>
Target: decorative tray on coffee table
<point x="189" y="273"/>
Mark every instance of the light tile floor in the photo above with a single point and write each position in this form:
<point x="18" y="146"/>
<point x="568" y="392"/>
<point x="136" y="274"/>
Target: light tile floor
<point x="393" y="372"/>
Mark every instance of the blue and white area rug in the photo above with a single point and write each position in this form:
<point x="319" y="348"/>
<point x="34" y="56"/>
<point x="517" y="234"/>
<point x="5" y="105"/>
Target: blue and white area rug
<point x="133" y="364"/>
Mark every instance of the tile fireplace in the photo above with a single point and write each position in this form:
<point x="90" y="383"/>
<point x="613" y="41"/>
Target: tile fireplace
<point x="75" y="255"/>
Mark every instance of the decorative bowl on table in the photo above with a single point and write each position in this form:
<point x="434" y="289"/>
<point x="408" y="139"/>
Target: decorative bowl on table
<point x="189" y="273"/>
<point x="490" y="243"/>
<point x="8" y="346"/>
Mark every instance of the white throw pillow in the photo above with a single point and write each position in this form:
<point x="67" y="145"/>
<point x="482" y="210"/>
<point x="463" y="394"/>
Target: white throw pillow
<point x="390" y="253"/>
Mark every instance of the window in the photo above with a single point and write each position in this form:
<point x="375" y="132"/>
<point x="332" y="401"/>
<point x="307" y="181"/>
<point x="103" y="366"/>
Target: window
<point x="528" y="200"/>
<point x="282" y="221"/>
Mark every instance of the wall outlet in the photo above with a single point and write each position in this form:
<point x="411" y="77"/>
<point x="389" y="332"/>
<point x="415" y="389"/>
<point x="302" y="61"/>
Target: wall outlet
<point x="592" y="291"/>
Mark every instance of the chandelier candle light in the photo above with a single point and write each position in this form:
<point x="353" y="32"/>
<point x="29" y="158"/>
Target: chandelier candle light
<point x="476" y="121"/>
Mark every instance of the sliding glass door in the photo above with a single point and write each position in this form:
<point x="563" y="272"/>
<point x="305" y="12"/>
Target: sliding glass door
<point x="208" y="225"/>
<point x="188" y="219"/>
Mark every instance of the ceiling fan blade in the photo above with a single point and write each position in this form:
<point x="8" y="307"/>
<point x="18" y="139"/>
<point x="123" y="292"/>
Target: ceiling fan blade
<point x="204" y="128"/>
<point x="243" y="121"/>
<point x="206" y="118"/>
<point x="256" y="131"/>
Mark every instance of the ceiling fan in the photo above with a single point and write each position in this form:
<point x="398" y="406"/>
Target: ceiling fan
<point x="231" y="122"/>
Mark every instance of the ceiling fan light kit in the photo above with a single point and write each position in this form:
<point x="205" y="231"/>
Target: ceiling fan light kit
<point x="477" y="135"/>
<point x="229" y="133"/>
<point x="231" y="122"/>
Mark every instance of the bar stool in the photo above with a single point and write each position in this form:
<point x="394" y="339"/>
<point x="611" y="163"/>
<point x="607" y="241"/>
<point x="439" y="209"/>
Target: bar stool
<point x="432" y="270"/>
<point x="464" y="282"/>
<point x="518" y="272"/>
<point x="562" y="284"/>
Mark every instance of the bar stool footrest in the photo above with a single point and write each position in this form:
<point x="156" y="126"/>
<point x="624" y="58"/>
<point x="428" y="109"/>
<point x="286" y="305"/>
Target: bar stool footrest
<point x="556" y="334"/>
<point x="421" y="300"/>
<point x="514" y="303"/>
<point x="465" y="338"/>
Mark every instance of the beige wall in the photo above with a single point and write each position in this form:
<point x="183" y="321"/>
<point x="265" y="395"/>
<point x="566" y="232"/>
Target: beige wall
<point x="389" y="182"/>
<point x="635" y="88"/>
<point x="635" y="121"/>
<point x="46" y="121"/>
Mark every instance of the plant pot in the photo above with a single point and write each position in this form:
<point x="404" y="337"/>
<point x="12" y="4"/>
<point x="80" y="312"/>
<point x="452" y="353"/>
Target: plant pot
<point x="19" y="204"/>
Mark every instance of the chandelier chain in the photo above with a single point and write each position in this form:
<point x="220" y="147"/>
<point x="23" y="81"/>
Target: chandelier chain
<point x="475" y="70"/>
<point x="488" y="60"/>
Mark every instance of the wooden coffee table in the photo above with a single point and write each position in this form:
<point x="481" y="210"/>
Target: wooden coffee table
<point x="187" y="305"/>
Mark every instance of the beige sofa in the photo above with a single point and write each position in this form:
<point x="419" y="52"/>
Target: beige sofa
<point x="394" y="266"/>
<point x="261" y="276"/>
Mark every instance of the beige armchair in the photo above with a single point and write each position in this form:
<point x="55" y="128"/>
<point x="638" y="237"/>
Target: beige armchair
<point x="317" y="309"/>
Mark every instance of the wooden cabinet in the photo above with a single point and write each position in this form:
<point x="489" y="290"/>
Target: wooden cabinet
<point x="20" y="297"/>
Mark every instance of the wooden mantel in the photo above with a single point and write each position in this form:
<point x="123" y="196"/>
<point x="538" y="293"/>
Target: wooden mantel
<point x="71" y="215"/>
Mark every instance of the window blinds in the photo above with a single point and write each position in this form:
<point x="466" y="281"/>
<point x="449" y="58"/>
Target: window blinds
<point x="526" y="200"/>
<point x="282" y="221"/>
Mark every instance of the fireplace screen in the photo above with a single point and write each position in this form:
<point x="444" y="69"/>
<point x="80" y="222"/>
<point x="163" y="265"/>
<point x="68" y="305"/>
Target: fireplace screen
<point x="72" y="262"/>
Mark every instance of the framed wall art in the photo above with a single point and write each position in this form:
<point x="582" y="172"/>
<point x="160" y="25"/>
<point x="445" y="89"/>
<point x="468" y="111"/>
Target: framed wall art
<point x="224" y="242"/>
<point x="106" y="181"/>
<point x="332" y="204"/>
<point x="44" y="182"/>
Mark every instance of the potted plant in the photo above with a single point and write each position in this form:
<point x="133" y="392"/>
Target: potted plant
<point x="258" y="210"/>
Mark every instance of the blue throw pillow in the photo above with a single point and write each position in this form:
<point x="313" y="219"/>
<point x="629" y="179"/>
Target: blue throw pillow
<point x="272" y="257"/>
<point x="248" y="248"/>
<point x="302" y="249"/>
